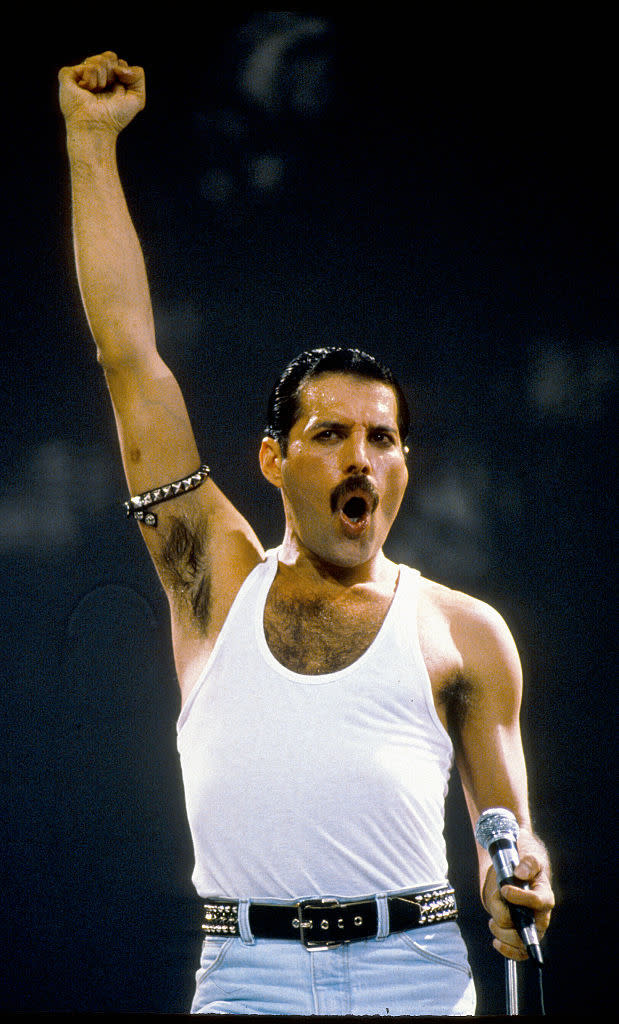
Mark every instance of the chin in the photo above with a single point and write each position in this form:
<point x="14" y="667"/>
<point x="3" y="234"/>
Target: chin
<point x="347" y="554"/>
<point x="334" y="548"/>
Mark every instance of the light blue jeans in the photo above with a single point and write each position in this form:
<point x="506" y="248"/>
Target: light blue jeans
<point x="422" y="972"/>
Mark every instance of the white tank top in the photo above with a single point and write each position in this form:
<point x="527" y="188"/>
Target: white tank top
<point x="315" y="785"/>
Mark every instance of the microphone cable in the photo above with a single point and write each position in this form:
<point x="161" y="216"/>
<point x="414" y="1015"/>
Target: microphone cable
<point x="541" y="990"/>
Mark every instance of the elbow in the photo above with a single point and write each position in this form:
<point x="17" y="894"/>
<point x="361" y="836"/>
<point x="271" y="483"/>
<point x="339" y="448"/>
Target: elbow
<point x="115" y="352"/>
<point x="123" y="338"/>
<point x="111" y="361"/>
<point x="102" y="359"/>
<point x="118" y="365"/>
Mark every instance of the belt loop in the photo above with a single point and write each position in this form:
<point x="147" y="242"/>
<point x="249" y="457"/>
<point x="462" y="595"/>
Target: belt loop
<point x="382" y="907"/>
<point x="245" y="931"/>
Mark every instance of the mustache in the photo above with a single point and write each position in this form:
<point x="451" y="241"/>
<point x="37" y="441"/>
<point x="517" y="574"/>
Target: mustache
<point x="354" y="484"/>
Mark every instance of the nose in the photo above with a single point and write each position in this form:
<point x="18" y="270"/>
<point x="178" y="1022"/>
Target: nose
<point x="356" y="456"/>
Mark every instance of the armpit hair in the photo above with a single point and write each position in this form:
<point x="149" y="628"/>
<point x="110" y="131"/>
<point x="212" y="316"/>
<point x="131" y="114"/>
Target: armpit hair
<point x="457" y="697"/>
<point x="185" y="567"/>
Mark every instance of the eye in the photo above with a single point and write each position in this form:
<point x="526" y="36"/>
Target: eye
<point x="327" y="434"/>
<point x="383" y="437"/>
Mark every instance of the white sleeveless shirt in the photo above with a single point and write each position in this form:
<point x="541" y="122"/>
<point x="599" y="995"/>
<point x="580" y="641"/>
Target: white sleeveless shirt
<point x="314" y="785"/>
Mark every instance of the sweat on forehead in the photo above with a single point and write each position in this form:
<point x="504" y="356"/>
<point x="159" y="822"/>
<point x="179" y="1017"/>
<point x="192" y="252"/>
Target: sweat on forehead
<point x="346" y="397"/>
<point x="283" y="407"/>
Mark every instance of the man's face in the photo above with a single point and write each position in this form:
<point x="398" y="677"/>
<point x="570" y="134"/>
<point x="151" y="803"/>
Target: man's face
<point x="344" y="474"/>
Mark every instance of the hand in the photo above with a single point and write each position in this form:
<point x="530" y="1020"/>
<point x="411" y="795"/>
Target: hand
<point x="539" y="897"/>
<point x="103" y="92"/>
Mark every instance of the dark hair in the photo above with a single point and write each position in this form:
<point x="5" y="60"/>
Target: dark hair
<point x="284" y="405"/>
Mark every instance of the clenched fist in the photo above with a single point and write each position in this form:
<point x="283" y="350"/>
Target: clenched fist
<point x="102" y="92"/>
<point x="538" y="897"/>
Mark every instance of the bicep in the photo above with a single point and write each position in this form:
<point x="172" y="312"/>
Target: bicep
<point x="202" y="546"/>
<point x="489" y="751"/>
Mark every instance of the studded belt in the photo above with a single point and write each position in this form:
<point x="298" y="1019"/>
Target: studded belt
<point x="326" y="922"/>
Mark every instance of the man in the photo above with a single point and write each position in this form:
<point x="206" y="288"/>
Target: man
<point x="324" y="689"/>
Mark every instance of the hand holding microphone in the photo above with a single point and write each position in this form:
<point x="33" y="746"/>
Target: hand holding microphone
<point x="497" y="831"/>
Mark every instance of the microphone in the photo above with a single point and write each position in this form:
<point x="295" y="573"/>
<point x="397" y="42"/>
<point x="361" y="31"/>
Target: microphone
<point x="497" y="831"/>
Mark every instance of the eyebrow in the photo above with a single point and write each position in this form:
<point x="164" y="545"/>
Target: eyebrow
<point x="325" y="424"/>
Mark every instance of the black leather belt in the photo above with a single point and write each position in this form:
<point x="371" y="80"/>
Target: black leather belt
<point x="325" y="922"/>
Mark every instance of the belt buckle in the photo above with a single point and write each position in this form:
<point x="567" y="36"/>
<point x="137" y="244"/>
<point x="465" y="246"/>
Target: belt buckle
<point x="305" y="925"/>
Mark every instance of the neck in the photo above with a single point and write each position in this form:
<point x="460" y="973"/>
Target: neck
<point x="312" y="566"/>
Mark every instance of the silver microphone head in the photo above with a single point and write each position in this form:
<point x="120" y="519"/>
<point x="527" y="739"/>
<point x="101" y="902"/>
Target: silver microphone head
<point x="493" y="823"/>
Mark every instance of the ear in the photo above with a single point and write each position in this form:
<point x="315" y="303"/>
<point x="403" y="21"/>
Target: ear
<point x="271" y="461"/>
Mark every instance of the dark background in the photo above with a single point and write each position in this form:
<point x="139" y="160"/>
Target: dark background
<point x="441" y="194"/>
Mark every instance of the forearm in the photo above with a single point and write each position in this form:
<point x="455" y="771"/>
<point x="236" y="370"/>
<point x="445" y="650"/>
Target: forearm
<point x="109" y="260"/>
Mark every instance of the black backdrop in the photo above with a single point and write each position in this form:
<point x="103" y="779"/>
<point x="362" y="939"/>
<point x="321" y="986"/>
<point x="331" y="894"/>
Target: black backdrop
<point x="440" y="194"/>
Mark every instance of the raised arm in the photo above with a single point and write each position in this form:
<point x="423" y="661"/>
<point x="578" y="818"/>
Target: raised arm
<point x="492" y="767"/>
<point x="202" y="547"/>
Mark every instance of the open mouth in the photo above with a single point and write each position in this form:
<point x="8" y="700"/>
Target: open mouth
<point x="355" y="509"/>
<point x="354" y="501"/>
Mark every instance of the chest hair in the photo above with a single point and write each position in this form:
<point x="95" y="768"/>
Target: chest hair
<point x="314" y="634"/>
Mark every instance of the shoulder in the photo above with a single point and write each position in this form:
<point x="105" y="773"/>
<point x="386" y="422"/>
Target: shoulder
<point x="478" y="631"/>
<point x="467" y="612"/>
